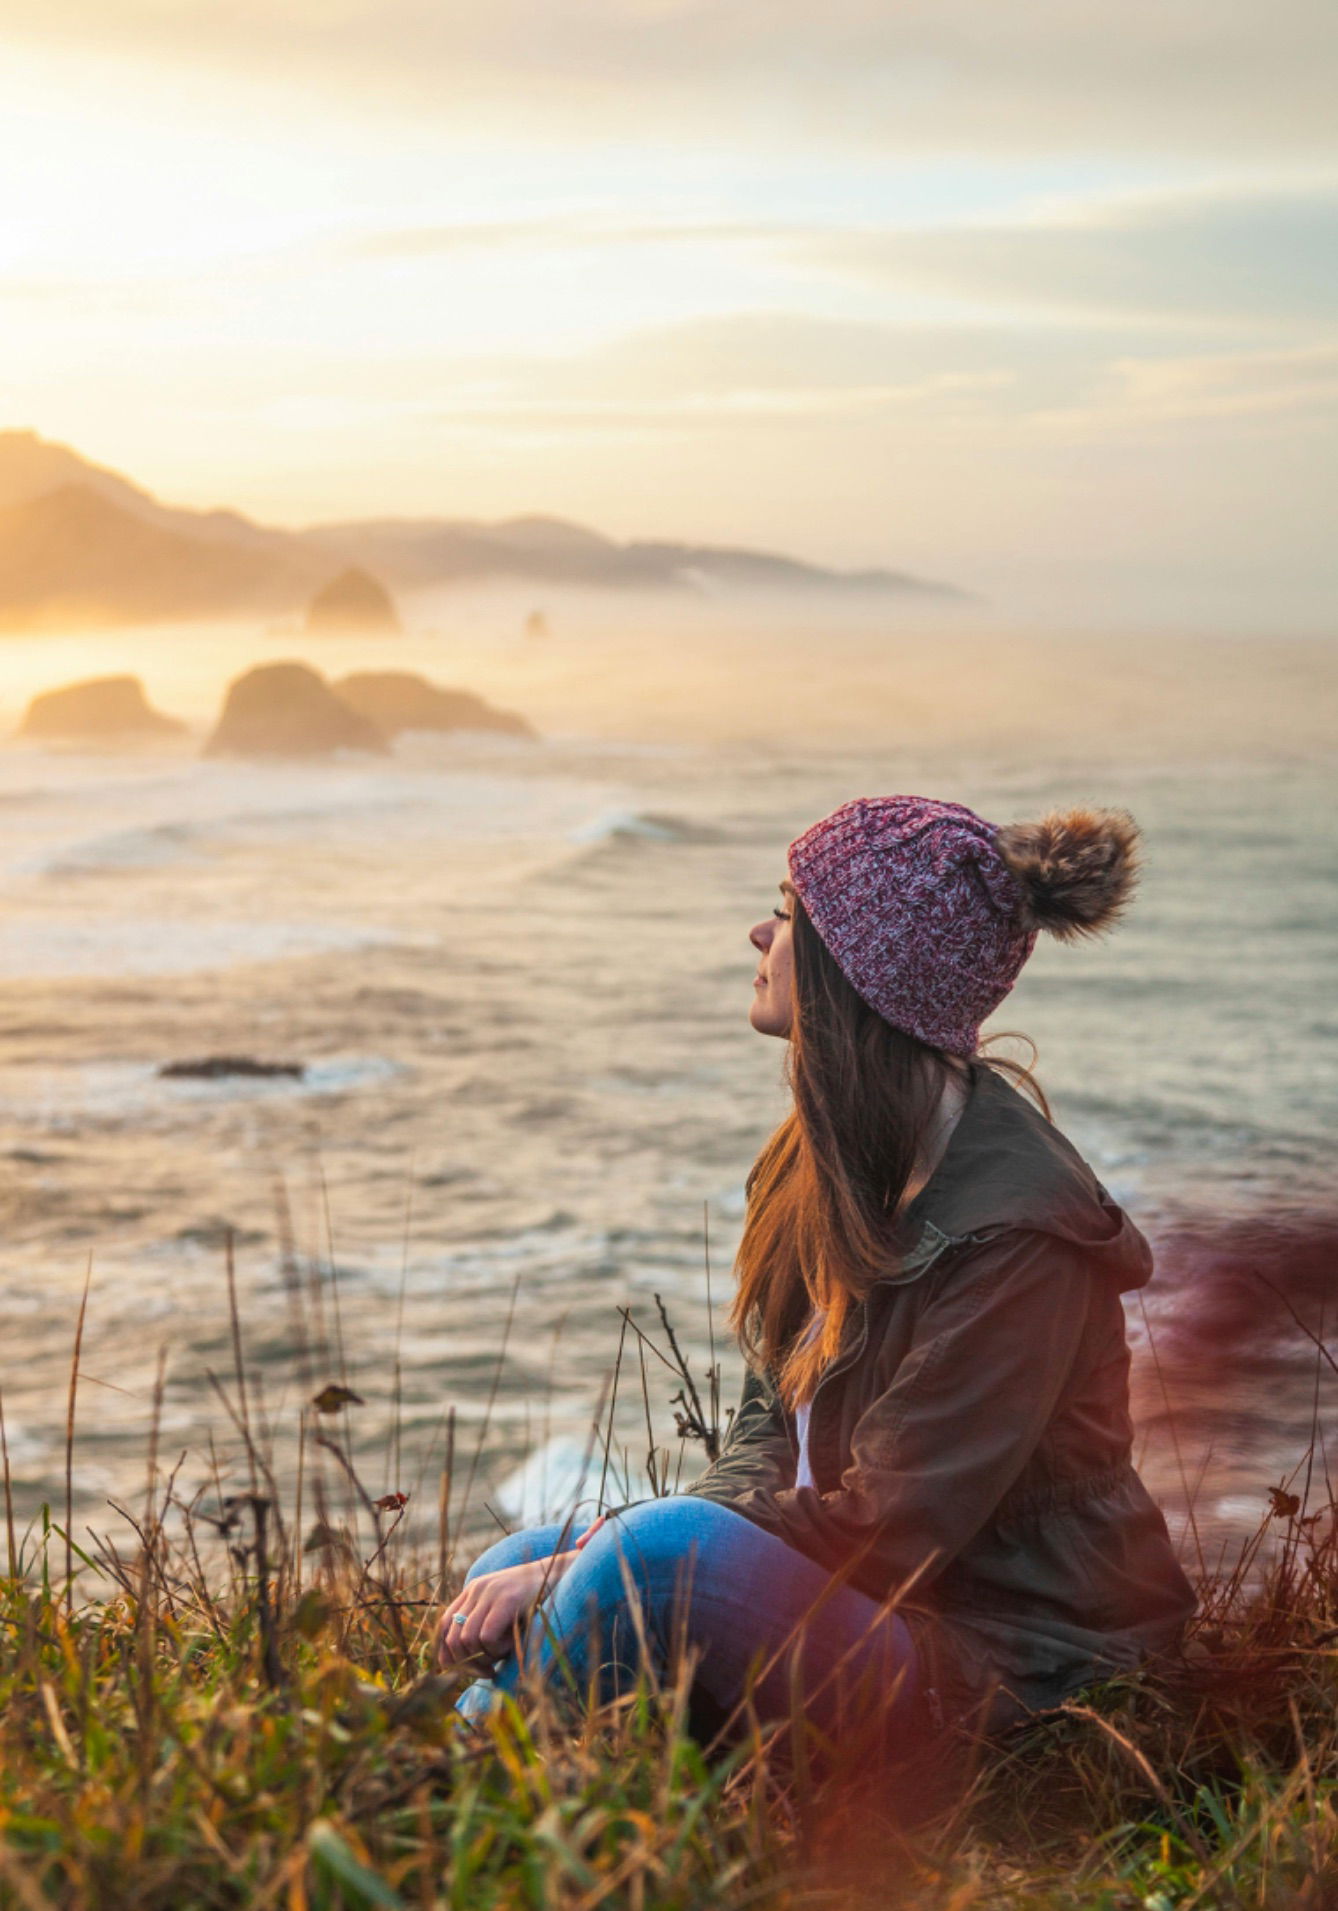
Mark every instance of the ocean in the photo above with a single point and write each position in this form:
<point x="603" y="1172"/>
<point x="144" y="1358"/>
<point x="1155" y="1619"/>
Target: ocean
<point x="517" y="977"/>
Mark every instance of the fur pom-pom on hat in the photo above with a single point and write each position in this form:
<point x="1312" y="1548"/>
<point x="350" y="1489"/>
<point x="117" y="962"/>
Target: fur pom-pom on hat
<point x="1076" y="869"/>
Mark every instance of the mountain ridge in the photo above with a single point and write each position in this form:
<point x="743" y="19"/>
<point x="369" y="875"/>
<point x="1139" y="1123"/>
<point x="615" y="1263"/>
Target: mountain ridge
<point x="83" y="544"/>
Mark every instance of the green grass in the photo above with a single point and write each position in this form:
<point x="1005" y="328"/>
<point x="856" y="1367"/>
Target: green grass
<point x="239" y="1713"/>
<point x="165" y="1747"/>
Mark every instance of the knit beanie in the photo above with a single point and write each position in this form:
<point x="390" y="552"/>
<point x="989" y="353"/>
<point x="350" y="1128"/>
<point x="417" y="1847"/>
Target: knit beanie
<point x="930" y="912"/>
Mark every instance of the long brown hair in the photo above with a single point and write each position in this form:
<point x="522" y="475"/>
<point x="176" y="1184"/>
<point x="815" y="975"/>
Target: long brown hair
<point x="825" y="1192"/>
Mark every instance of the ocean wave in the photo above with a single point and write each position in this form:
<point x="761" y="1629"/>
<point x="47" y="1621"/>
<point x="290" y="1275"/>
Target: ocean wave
<point x="630" y="826"/>
<point x="564" y="1476"/>
<point x="335" y="1077"/>
<point x="154" y="846"/>
<point x="25" y="1449"/>
<point x="217" y="809"/>
<point x="554" y="1248"/>
<point x="62" y="1098"/>
<point x="138" y="946"/>
<point x="117" y="1091"/>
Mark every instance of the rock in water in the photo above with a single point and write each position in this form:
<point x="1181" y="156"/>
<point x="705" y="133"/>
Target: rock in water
<point x="100" y="708"/>
<point x="213" y="1068"/>
<point x="353" y="601"/>
<point x="289" y="710"/>
<point x="396" y="700"/>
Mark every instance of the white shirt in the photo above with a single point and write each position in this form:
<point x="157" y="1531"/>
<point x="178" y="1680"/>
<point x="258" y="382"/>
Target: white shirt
<point x="804" y="1474"/>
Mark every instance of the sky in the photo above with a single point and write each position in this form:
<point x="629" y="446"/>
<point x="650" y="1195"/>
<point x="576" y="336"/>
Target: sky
<point x="1036" y="296"/>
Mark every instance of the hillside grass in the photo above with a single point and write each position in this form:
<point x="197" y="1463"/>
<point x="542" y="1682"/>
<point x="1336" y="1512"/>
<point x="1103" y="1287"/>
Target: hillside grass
<point x="240" y="1710"/>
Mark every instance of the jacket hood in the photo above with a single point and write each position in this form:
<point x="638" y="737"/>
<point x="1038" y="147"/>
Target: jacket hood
<point x="1006" y="1166"/>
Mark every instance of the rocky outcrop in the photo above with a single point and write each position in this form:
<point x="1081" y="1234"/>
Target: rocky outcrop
<point x="289" y="710"/>
<point x="99" y="710"/>
<point x="353" y="602"/>
<point x="216" y="1068"/>
<point x="398" y="700"/>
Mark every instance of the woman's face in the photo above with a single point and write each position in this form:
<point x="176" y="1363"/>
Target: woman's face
<point x="773" y="987"/>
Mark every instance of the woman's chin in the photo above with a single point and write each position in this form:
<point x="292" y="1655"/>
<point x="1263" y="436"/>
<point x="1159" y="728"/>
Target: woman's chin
<point x="767" y="1023"/>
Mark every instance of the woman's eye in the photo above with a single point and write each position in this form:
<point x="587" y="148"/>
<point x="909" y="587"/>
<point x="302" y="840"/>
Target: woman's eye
<point x="783" y="914"/>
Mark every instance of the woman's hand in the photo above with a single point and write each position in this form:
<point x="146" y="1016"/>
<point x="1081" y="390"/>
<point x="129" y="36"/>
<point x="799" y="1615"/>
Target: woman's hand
<point x="480" y="1621"/>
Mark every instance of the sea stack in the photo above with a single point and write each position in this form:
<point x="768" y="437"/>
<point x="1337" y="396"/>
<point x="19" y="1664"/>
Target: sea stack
<point x="288" y="710"/>
<point x="353" y="603"/>
<point x="399" y="700"/>
<point x="99" y="710"/>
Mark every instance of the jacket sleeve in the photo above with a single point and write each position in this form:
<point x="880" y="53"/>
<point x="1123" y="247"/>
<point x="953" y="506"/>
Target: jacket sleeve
<point x="758" y="1453"/>
<point x="933" y="1455"/>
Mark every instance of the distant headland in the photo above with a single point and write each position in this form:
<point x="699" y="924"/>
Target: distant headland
<point x="82" y="546"/>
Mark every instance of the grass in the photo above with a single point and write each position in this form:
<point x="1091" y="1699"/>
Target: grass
<point x="239" y="1709"/>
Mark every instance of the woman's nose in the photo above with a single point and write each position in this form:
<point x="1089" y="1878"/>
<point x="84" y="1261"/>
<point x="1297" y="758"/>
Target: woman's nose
<point x="760" y="936"/>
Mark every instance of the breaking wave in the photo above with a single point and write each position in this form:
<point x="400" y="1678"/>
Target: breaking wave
<point x="631" y="826"/>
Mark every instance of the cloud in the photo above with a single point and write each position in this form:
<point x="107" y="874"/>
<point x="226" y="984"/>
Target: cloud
<point x="764" y="361"/>
<point x="1234" y="384"/>
<point x="1032" y="75"/>
<point x="944" y="397"/>
<point x="773" y="376"/>
<point x="558" y="231"/>
<point x="1247" y="255"/>
<point x="1292" y="391"/>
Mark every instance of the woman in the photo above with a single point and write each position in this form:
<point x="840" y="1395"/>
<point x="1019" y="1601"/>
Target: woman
<point x="925" y="1514"/>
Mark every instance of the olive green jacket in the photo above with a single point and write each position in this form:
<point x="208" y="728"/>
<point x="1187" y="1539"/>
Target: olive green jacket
<point x="970" y="1445"/>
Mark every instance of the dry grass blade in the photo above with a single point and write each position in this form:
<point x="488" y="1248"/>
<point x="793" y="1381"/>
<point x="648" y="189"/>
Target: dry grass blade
<point x="1142" y="1764"/>
<point x="238" y="1363"/>
<point x="10" y="1541"/>
<point x="69" y="1432"/>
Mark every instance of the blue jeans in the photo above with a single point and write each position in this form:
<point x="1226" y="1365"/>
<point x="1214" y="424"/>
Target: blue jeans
<point x="768" y="1630"/>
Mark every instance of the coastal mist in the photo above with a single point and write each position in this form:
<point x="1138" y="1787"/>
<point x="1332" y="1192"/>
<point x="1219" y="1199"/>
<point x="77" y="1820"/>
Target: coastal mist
<point x="505" y="983"/>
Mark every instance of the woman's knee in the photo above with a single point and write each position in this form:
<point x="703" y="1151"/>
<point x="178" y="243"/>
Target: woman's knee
<point x="502" y="1553"/>
<point x="680" y="1534"/>
<point x="659" y="1553"/>
<point x="680" y="1519"/>
<point x="648" y="1576"/>
<point x="517" y="1549"/>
